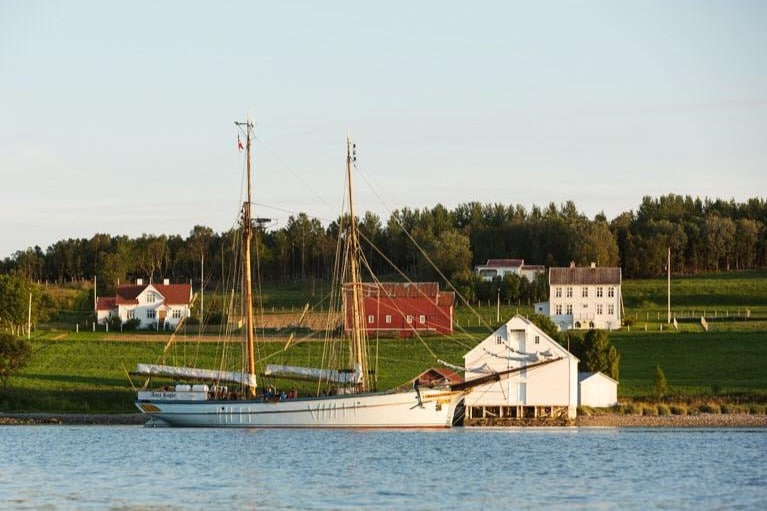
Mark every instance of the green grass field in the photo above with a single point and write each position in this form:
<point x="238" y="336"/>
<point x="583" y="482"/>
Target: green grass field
<point x="82" y="372"/>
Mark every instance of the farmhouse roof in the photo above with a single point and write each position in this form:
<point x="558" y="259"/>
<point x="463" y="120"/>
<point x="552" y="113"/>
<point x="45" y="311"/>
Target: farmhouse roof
<point x="584" y="276"/>
<point x="391" y="290"/>
<point x="505" y="263"/>
<point x="174" y="294"/>
<point x="105" y="303"/>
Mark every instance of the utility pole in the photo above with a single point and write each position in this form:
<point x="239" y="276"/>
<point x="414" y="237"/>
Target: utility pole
<point x="498" y="307"/>
<point x="668" y="266"/>
<point x="29" y="317"/>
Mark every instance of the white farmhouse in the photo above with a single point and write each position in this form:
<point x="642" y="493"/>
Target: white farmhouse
<point x="502" y="267"/>
<point x="545" y="392"/>
<point x="584" y="298"/>
<point x="597" y="390"/>
<point x="158" y="306"/>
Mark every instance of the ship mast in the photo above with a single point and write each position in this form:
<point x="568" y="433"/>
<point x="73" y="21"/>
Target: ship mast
<point x="247" y="284"/>
<point x="358" y="352"/>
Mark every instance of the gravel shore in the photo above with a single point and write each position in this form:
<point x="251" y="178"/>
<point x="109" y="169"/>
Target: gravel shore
<point x="704" y="420"/>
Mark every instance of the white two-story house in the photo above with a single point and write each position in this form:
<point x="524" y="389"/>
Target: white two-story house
<point x="585" y="297"/>
<point x="159" y="306"/>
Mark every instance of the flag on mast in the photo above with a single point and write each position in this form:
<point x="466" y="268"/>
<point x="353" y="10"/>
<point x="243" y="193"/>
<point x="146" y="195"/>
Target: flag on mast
<point x="239" y="144"/>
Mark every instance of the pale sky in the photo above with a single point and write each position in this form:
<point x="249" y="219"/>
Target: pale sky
<point x="118" y="117"/>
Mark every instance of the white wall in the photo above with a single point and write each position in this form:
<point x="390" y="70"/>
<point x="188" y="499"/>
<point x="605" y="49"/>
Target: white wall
<point x="598" y="391"/>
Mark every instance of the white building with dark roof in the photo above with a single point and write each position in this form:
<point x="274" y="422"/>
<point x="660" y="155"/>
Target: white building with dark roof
<point x="501" y="267"/>
<point x="585" y="297"/>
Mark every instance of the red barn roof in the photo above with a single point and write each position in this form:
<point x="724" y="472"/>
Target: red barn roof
<point x="505" y="263"/>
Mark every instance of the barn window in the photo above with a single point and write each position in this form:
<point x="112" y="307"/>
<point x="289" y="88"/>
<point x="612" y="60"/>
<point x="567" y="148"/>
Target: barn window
<point x="388" y="318"/>
<point x="371" y="318"/>
<point x="409" y="318"/>
<point x="422" y="319"/>
<point x="537" y="339"/>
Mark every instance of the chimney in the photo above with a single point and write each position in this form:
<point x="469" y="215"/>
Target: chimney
<point x="165" y="282"/>
<point x="593" y="265"/>
<point x="572" y="264"/>
<point x="139" y="282"/>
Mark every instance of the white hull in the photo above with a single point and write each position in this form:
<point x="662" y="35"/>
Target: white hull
<point x="384" y="410"/>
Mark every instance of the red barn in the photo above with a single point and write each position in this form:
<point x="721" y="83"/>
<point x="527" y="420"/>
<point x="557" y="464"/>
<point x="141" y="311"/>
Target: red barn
<point x="402" y="308"/>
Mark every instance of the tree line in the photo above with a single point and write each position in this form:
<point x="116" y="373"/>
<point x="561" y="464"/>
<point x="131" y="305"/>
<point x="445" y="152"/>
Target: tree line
<point x="703" y="235"/>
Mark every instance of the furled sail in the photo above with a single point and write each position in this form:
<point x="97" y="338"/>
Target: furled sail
<point x="343" y="377"/>
<point x="192" y="372"/>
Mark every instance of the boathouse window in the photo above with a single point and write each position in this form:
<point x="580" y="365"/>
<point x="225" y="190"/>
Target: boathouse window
<point x="569" y="292"/>
<point x="610" y="292"/>
<point x="599" y="309"/>
<point x="585" y="292"/>
<point x="599" y="292"/>
<point x="150" y="314"/>
<point x="559" y="308"/>
<point x="558" y="292"/>
<point x="537" y="339"/>
<point x="422" y="319"/>
<point x="409" y="319"/>
<point x="388" y="318"/>
<point x="498" y="339"/>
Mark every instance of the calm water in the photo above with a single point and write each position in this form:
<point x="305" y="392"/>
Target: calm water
<point x="95" y="467"/>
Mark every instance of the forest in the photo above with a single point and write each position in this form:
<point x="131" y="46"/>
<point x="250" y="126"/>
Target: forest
<point x="704" y="236"/>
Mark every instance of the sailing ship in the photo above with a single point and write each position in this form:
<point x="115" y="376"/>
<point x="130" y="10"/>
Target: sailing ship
<point x="350" y="401"/>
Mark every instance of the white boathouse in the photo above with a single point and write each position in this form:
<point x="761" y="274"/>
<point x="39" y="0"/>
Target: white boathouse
<point x="597" y="390"/>
<point x="544" y="387"/>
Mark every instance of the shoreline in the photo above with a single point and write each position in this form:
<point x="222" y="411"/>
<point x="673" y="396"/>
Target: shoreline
<point x="703" y="420"/>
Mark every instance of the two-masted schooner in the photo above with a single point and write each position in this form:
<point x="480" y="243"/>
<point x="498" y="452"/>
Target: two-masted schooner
<point x="352" y="403"/>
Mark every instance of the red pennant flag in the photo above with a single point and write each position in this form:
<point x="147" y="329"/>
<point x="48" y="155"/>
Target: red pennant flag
<point x="239" y="143"/>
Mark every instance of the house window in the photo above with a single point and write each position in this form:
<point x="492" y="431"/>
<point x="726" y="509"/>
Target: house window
<point x="150" y="313"/>
<point x="388" y="318"/>
<point x="151" y="297"/>
<point x="559" y="308"/>
<point x="569" y="308"/>
<point x="611" y="309"/>
<point x="409" y="319"/>
<point x="569" y="292"/>
<point x="422" y="319"/>
<point x="584" y="292"/>
<point x="537" y="339"/>
<point x="498" y="339"/>
<point x="176" y="313"/>
<point x="558" y="292"/>
<point x="611" y="291"/>
<point x="599" y="309"/>
<point x="370" y="319"/>
<point x="599" y="292"/>
<point x="131" y="313"/>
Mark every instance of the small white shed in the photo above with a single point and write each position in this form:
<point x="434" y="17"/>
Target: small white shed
<point x="597" y="390"/>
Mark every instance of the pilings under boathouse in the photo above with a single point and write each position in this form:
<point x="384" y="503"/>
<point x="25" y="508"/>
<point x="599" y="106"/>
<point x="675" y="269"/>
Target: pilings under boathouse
<point x="490" y="416"/>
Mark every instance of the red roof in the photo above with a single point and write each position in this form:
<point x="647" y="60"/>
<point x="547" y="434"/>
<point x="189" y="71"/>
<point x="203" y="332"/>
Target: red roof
<point x="105" y="303"/>
<point x="174" y="294"/>
<point x="505" y="263"/>
<point x="437" y="373"/>
<point x="407" y="290"/>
